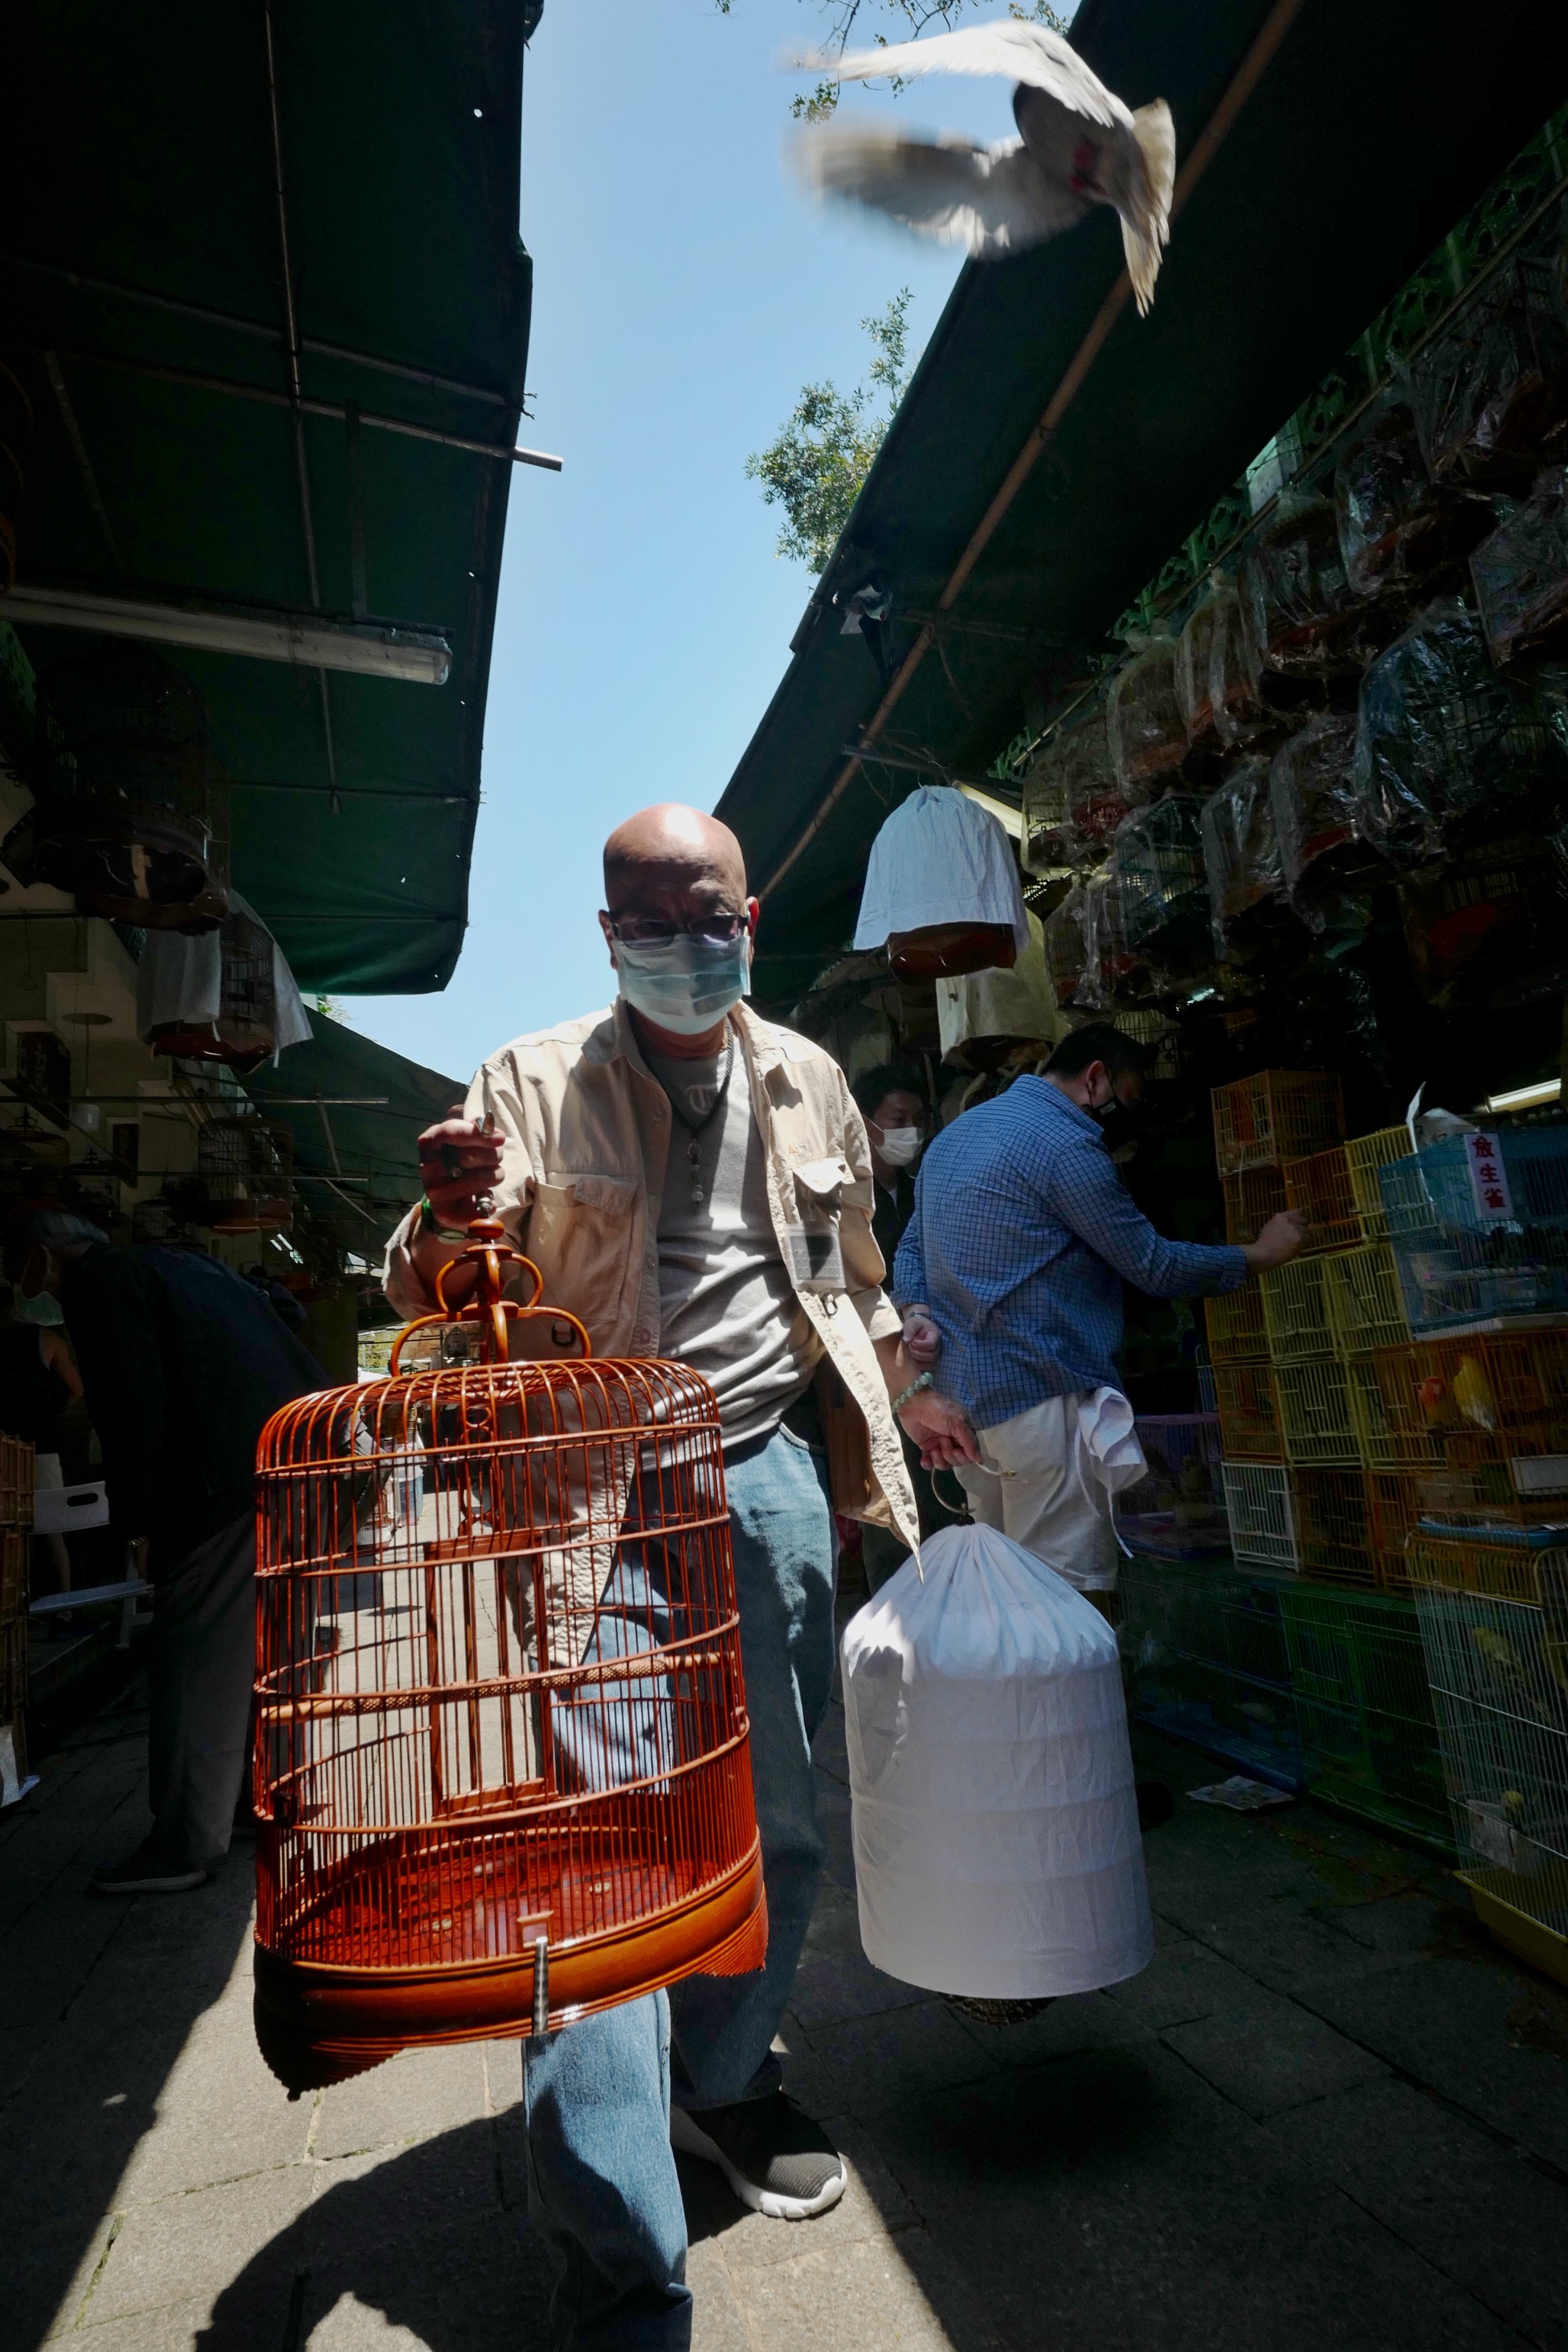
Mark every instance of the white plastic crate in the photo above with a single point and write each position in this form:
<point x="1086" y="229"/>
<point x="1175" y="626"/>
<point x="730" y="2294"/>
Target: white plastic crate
<point x="1261" y="1508"/>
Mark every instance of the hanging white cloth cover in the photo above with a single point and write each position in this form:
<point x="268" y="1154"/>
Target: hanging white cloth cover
<point x="179" y="984"/>
<point x="996" y="1825"/>
<point x="940" y="858"/>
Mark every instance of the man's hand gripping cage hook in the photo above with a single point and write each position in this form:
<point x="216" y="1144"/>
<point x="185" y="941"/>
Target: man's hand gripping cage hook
<point x="487" y="1306"/>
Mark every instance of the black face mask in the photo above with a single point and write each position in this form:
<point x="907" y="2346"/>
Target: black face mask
<point x="1120" y="1122"/>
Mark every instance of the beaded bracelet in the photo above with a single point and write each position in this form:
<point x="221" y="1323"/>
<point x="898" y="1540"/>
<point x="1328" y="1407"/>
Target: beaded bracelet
<point x="926" y="1380"/>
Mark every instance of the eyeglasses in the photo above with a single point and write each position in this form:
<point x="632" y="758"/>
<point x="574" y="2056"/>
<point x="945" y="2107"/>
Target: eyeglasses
<point x="655" y="932"/>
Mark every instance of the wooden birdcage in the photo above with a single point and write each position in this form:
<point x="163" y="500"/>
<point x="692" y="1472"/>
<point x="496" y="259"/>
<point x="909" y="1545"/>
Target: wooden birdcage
<point x="121" y="790"/>
<point x="245" y="1029"/>
<point x="502" y="1757"/>
<point x="245" y="1170"/>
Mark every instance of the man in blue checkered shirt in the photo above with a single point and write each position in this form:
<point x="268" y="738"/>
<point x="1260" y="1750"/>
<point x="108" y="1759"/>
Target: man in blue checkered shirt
<point x="1009" y="1280"/>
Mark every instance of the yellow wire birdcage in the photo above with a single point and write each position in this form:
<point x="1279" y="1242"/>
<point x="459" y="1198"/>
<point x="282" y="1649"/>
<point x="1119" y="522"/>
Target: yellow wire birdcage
<point x="1294" y="1313"/>
<point x="1236" y="1326"/>
<point x="1386" y="1437"/>
<point x="1364" y="1304"/>
<point x="1275" y="1116"/>
<point x="1319" y="1188"/>
<point x="1364" y="1155"/>
<point x="1252" y="1196"/>
<point x="1314" y="1413"/>
<point x="1250" y="1411"/>
<point x="1508" y="1571"/>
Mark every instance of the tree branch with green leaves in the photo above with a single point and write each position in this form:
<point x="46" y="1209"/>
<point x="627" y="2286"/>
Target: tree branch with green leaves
<point x="823" y="453"/>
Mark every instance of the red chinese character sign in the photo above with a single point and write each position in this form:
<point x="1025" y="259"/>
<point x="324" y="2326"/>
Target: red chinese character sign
<point x="1488" y="1177"/>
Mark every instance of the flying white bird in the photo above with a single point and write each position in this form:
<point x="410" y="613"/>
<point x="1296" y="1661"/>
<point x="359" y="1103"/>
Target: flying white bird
<point x="1078" y="146"/>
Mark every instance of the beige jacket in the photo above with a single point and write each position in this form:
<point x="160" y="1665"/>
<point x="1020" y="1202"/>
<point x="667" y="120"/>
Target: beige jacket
<point x="585" y="1132"/>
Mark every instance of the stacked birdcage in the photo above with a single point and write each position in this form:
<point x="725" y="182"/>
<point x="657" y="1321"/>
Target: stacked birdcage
<point x="1493" y="1619"/>
<point x="1479" y="1227"/>
<point x="1369" y="1742"/>
<point x="1176" y="1511"/>
<point x="246" y="1173"/>
<point x="1203" y="1654"/>
<point x="16" y="1468"/>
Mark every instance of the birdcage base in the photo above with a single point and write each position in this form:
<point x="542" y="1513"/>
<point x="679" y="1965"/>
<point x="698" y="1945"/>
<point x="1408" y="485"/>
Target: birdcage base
<point x="1544" y="1947"/>
<point x="316" y="2015"/>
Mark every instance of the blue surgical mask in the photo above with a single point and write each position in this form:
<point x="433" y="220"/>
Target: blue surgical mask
<point x="685" y="984"/>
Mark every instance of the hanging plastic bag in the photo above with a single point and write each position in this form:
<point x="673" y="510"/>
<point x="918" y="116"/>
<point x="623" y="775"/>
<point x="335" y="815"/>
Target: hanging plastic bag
<point x="1144" y="717"/>
<point x="1303" y="617"/>
<point x="941" y="889"/>
<point x="1311" y="787"/>
<point x="1521" y="573"/>
<point x="1236" y="694"/>
<point x="1490" y="393"/>
<point x="1097" y="798"/>
<point x="1048" y="844"/>
<point x="1440" y="737"/>
<point x="1395" y="525"/>
<point x="1194" y="668"/>
<point x="996" y="1825"/>
<point x="1241" y="857"/>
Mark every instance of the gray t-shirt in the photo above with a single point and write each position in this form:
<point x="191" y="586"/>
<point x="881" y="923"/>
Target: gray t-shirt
<point x="727" y="1305"/>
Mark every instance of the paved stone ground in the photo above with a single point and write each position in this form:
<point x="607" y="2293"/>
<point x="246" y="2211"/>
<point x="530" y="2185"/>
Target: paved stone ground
<point x="1331" y="2114"/>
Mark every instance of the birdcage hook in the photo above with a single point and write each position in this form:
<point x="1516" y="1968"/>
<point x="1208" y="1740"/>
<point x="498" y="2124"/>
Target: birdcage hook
<point x="487" y="1306"/>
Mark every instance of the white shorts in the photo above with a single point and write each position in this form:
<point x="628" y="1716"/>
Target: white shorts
<point x="1033" y="1489"/>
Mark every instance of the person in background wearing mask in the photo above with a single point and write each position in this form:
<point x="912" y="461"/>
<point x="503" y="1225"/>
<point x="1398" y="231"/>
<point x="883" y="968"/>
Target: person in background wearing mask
<point x="655" y="1162"/>
<point x="1012" y="1268"/>
<point x="897" y="1119"/>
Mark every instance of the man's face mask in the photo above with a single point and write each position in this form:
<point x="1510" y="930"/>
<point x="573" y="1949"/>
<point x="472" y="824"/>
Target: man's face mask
<point x="1120" y="1122"/>
<point x="684" y="984"/>
<point x="899" y="1147"/>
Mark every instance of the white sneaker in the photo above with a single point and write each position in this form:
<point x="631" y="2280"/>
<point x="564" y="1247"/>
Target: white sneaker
<point x="777" y="2161"/>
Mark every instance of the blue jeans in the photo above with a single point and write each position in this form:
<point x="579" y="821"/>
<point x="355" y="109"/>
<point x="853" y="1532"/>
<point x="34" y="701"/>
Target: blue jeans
<point x="602" y="2182"/>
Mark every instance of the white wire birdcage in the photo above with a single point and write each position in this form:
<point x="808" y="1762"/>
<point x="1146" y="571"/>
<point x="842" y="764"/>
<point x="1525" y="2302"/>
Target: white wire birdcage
<point x="1498" y="1676"/>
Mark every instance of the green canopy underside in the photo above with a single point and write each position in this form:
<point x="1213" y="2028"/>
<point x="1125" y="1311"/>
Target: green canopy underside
<point x="1368" y="136"/>
<point x="139" y="151"/>
<point x="355" y="1160"/>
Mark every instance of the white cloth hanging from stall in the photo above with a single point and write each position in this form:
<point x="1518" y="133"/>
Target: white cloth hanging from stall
<point x="179" y="984"/>
<point x="995" y="1825"/>
<point x="940" y="858"/>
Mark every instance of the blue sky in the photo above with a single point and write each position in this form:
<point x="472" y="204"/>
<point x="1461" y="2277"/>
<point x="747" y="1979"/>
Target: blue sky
<point x="682" y="294"/>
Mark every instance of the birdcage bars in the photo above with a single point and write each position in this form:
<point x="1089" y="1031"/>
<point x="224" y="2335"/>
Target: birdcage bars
<point x="1319" y="1185"/>
<point x="1159" y="866"/>
<point x="1176" y="1511"/>
<point x="1364" y="1304"/>
<point x="1368" y="1734"/>
<point x="246" y="1171"/>
<point x="1249" y="1411"/>
<point x="1334" y="1522"/>
<point x="1294" y="1313"/>
<point x="1490" y="391"/>
<point x="499" y="1700"/>
<point x="1275" y="1116"/>
<point x="245" y="1029"/>
<point x="1204" y="1658"/>
<point x="1501" y="1571"/>
<point x="1496" y="1669"/>
<point x="1393" y="1507"/>
<point x="1252" y="1195"/>
<point x="1477" y="1256"/>
<point x="1260" y="1507"/>
<point x="1391" y="1435"/>
<point x="1314" y="1413"/>
<point x="1203" y="1372"/>
<point x="1236" y="1331"/>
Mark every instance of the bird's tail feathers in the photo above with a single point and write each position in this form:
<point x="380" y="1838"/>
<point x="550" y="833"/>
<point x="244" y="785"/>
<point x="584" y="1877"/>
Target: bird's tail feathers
<point x="1145" y="236"/>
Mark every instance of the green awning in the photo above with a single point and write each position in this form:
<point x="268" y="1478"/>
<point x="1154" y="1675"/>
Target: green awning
<point x="1367" y="135"/>
<point x="354" y="1109"/>
<point x="144" y="236"/>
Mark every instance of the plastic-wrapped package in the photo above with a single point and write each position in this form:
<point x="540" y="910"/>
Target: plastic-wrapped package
<point x="1194" y="668"/>
<point x="1440" y="736"/>
<point x="1241" y="857"/>
<point x="1521" y="571"/>
<point x="1488" y="927"/>
<point x="1097" y="800"/>
<point x="1310" y="785"/>
<point x="1143" y="713"/>
<point x="1236" y="696"/>
<point x="1303" y="618"/>
<point x="1490" y="393"/>
<point x="995" y="1822"/>
<point x="1048" y="842"/>
<point x="985" y="1007"/>
<point x="1159" y="866"/>
<point x="941" y="889"/>
<point x="1114" y="970"/>
<point x="1067" y="945"/>
<point x="1396" y="526"/>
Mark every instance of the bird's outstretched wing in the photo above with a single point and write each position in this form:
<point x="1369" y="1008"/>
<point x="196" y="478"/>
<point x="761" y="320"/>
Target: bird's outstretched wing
<point x="1027" y="53"/>
<point x="989" y="200"/>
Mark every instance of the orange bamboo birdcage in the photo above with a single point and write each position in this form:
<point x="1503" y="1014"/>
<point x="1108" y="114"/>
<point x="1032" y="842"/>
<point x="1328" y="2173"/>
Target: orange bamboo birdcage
<point x="502" y="1762"/>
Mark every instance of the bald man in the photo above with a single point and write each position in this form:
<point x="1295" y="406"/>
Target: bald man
<point x="693" y="1182"/>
